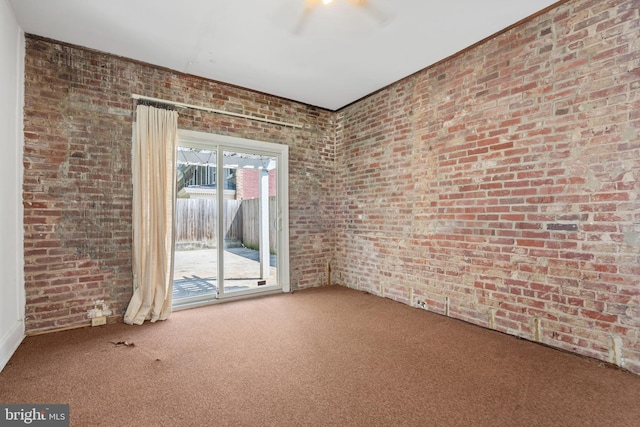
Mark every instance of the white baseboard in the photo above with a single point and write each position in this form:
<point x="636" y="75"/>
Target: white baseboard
<point x="9" y="343"/>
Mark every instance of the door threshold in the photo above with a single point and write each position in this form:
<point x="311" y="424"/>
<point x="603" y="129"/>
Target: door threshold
<point x="178" y="306"/>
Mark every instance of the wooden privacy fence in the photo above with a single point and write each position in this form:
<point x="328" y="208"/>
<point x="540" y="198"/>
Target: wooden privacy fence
<point x="251" y="223"/>
<point x="195" y="222"/>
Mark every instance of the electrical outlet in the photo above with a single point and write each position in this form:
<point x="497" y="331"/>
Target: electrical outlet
<point x="98" y="321"/>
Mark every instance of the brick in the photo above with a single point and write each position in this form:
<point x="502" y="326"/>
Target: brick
<point x="610" y="318"/>
<point x="563" y="227"/>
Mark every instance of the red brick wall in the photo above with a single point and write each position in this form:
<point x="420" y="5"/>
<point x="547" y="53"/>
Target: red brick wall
<point x="77" y="183"/>
<point x="501" y="187"/>
<point x="247" y="186"/>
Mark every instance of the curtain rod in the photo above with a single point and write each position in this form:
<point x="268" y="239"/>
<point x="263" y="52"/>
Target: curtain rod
<point x="213" y="110"/>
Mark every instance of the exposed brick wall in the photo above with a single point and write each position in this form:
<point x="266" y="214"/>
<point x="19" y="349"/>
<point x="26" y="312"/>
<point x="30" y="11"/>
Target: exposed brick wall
<point x="501" y="186"/>
<point x="248" y="183"/>
<point x="77" y="183"/>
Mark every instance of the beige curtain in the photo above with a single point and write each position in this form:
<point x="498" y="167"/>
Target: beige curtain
<point x="153" y="167"/>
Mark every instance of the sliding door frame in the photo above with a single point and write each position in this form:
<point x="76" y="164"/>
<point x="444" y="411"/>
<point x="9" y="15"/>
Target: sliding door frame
<point x="220" y="144"/>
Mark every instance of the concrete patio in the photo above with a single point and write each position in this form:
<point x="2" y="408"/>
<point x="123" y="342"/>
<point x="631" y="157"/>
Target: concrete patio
<point x="195" y="271"/>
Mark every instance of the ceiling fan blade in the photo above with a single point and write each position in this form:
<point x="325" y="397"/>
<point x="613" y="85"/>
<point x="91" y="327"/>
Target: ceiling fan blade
<point x="309" y="5"/>
<point x="302" y="20"/>
<point x="376" y="12"/>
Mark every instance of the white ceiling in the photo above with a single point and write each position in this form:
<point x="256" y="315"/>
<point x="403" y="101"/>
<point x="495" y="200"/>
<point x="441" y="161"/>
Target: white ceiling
<point x="340" y="54"/>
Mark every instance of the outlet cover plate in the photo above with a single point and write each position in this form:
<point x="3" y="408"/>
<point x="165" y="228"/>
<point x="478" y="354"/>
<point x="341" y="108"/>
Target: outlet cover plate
<point x="98" y="321"/>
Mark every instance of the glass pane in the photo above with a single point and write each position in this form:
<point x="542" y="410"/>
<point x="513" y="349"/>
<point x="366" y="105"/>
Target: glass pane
<point x="195" y="258"/>
<point x="249" y="221"/>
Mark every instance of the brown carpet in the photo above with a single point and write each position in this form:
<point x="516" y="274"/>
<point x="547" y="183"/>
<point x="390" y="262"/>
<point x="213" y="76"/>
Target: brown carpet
<point x="326" y="356"/>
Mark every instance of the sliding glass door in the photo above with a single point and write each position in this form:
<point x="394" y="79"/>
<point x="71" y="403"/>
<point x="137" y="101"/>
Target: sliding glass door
<point x="250" y="222"/>
<point x="195" y="269"/>
<point x="231" y="219"/>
